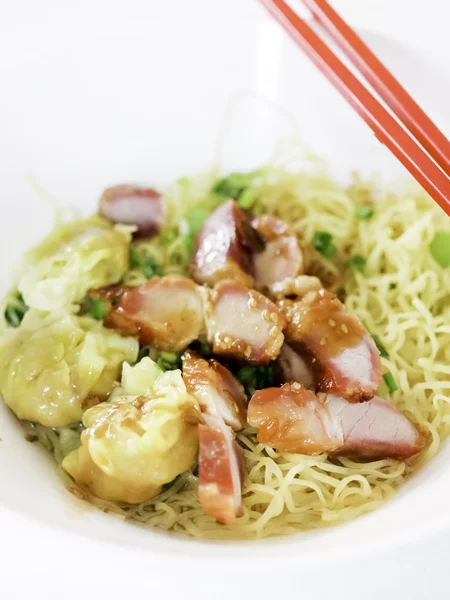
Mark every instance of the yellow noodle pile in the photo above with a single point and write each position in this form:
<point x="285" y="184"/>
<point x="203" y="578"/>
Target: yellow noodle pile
<point x="403" y="297"/>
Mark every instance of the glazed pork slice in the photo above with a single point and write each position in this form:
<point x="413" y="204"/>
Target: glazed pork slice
<point x="224" y="245"/>
<point x="294" y="367"/>
<point x="165" y="312"/>
<point x="344" y="358"/>
<point x="243" y="323"/>
<point x="220" y="472"/>
<point x="133" y="205"/>
<point x="219" y="393"/>
<point x="281" y="257"/>
<point x="223" y="404"/>
<point x="293" y="419"/>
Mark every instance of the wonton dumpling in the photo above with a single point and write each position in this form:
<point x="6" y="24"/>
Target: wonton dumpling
<point x="73" y="259"/>
<point x="142" y="439"/>
<point x="52" y="364"/>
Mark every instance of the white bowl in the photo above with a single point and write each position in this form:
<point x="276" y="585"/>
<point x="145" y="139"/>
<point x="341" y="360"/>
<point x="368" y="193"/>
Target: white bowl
<point x="98" y="93"/>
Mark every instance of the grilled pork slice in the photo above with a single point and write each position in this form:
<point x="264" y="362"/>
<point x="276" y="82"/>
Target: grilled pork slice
<point x="344" y="357"/>
<point x="294" y="367"/>
<point x="293" y="419"/>
<point x="218" y="392"/>
<point x="220" y="472"/>
<point x="294" y="287"/>
<point x="132" y="205"/>
<point x="243" y="323"/>
<point x="224" y="247"/>
<point x="165" y="312"/>
<point x="281" y="257"/>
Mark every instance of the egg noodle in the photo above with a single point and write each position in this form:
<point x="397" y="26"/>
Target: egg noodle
<point x="403" y="297"/>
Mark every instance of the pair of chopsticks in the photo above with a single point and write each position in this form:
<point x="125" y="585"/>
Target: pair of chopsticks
<point x="418" y="144"/>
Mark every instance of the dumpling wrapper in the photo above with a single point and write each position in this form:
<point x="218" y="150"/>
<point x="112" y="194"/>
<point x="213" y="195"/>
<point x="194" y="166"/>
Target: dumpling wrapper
<point x="53" y="365"/>
<point x="140" y="440"/>
<point x="73" y="259"/>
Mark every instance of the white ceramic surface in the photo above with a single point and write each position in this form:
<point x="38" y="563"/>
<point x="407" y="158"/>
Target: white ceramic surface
<point x="96" y="93"/>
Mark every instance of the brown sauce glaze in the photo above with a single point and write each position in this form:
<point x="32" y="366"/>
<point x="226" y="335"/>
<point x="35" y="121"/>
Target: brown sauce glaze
<point x="321" y="321"/>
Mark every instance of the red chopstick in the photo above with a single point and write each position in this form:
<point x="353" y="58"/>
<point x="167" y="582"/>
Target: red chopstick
<point x="434" y="180"/>
<point x="382" y="80"/>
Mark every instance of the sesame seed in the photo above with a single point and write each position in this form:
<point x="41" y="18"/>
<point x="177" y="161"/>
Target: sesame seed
<point x="344" y="328"/>
<point x="323" y="341"/>
<point x="332" y="322"/>
<point x="274" y="332"/>
<point x="296" y="386"/>
<point x="274" y="317"/>
<point x="252" y="303"/>
<point x="265" y="315"/>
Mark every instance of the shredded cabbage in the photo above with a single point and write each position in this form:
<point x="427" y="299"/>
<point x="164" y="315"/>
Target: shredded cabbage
<point x="74" y="258"/>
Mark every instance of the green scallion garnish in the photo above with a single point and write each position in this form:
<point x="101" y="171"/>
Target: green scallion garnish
<point x="323" y="242"/>
<point x="169" y="357"/>
<point x="136" y="260"/>
<point x="152" y="268"/>
<point x="232" y="186"/>
<point x="364" y="211"/>
<point x="15" y="311"/>
<point x="97" y="309"/>
<point x="247" y="199"/>
<point x="440" y="248"/>
<point x="379" y="344"/>
<point x="358" y="263"/>
<point x="390" y="382"/>
<point x="195" y="218"/>
<point x="247" y="376"/>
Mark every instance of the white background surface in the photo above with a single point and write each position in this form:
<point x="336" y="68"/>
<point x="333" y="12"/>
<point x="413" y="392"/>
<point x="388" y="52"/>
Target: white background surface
<point x="29" y="567"/>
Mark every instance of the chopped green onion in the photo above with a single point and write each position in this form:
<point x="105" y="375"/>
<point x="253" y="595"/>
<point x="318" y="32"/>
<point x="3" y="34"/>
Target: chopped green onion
<point x="247" y="199"/>
<point x="152" y="268"/>
<point x="184" y="181"/>
<point x="169" y="357"/>
<point x="440" y="248"/>
<point x="135" y="259"/>
<point x="247" y="376"/>
<point x="12" y="317"/>
<point x="162" y="364"/>
<point x="323" y="242"/>
<point x="143" y="353"/>
<point x="379" y="344"/>
<point x="255" y="378"/>
<point x="233" y="185"/>
<point x="15" y="311"/>
<point x="168" y="361"/>
<point x="166" y="366"/>
<point x="364" y="211"/>
<point x="358" y="263"/>
<point x="97" y="309"/>
<point x="195" y="218"/>
<point x="390" y="382"/>
<point x="265" y="377"/>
